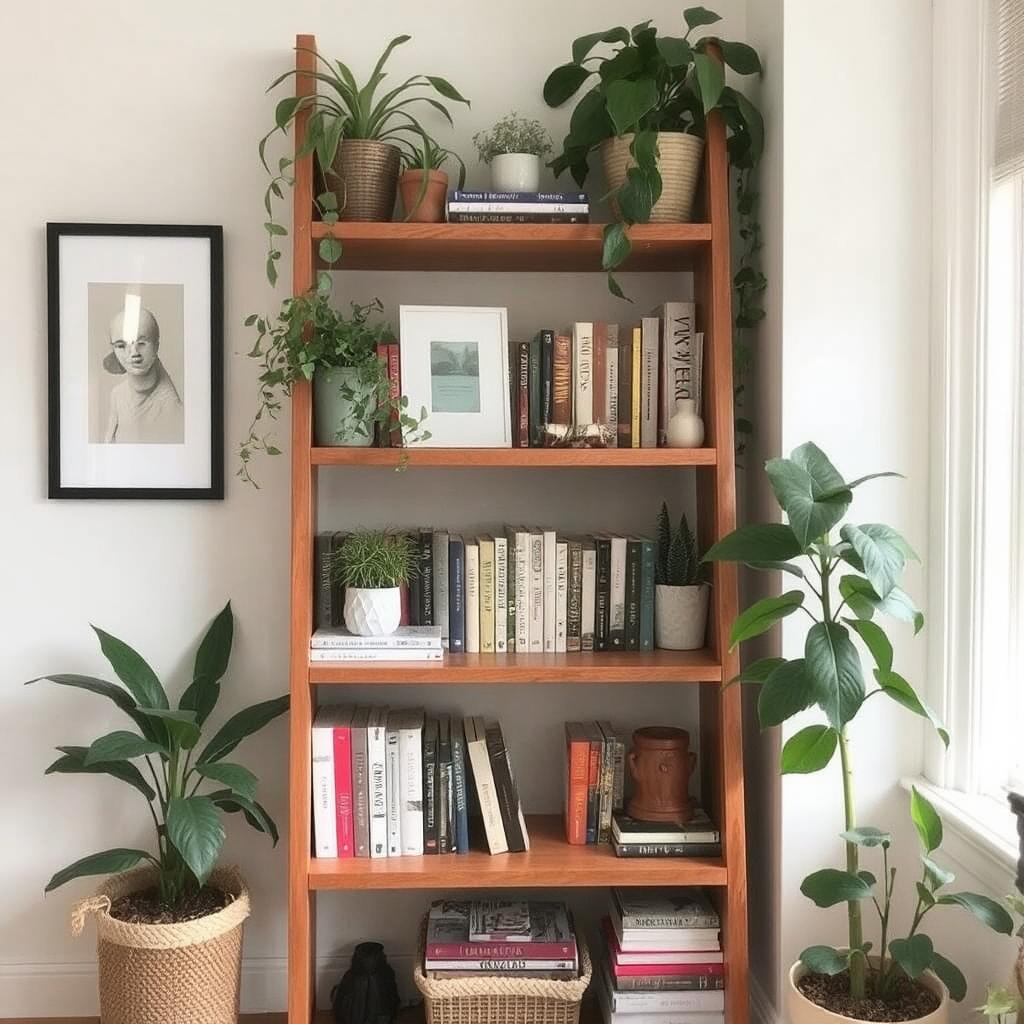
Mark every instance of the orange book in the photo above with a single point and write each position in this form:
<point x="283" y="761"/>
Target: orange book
<point x="577" y="749"/>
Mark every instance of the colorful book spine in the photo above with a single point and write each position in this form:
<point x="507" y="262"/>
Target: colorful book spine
<point x="382" y="431"/>
<point x="624" y="390"/>
<point x="574" y="607"/>
<point x="650" y="328"/>
<point x="577" y="750"/>
<point x="500" y="594"/>
<point x="456" y="594"/>
<point x="472" y="597"/>
<point x="633" y="594"/>
<point x="561" y="380"/>
<point x="583" y="367"/>
<point x="470" y="951"/>
<point x="343" y="790"/>
<point x="522" y="405"/>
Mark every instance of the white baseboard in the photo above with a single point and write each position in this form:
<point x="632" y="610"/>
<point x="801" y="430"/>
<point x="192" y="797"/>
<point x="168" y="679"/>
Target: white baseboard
<point x="70" y="990"/>
<point x="761" y="1009"/>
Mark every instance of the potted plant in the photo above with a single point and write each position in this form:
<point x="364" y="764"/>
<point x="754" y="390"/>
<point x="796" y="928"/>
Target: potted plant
<point x="352" y="394"/>
<point x="372" y="566"/>
<point x="358" y="138"/>
<point x="850" y="579"/>
<point x="680" y="592"/>
<point x="646" y="117"/>
<point x="1002" y="1001"/>
<point x="513" y="148"/>
<point x="423" y="185"/>
<point x="169" y="932"/>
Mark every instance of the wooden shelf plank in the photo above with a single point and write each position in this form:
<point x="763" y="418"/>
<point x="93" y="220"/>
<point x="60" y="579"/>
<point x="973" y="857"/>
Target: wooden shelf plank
<point x="604" y="667"/>
<point x="508" y="458"/>
<point x="508" y="247"/>
<point x="549" y="863"/>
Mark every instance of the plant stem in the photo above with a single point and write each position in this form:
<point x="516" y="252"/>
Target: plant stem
<point x="887" y="884"/>
<point x="856" y="927"/>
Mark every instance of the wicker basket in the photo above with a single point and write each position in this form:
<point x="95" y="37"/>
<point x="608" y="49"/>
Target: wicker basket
<point x="365" y="179"/>
<point x="500" y="999"/>
<point x="678" y="162"/>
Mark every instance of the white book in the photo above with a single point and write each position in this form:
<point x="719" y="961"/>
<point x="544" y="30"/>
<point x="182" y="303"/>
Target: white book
<point x="588" y="604"/>
<point x="521" y="549"/>
<point x="650" y="327"/>
<point x="486" y="206"/>
<point x="440" y="558"/>
<point x="611" y="387"/>
<point x="561" y="595"/>
<point x="338" y="638"/>
<point x="376" y="757"/>
<point x="550" y="602"/>
<point x="613" y="1013"/>
<point x="500" y="594"/>
<point x="325" y="822"/>
<point x="536" y="592"/>
<point x="487" y="575"/>
<point x="483" y="778"/>
<point x="678" y="359"/>
<point x="617" y="606"/>
<point x="583" y="373"/>
<point x="378" y="654"/>
<point x="410" y="753"/>
<point x="472" y="597"/>
<point x="394" y="784"/>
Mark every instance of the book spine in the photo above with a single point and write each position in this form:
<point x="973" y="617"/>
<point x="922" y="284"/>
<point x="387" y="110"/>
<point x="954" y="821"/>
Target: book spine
<point x="536" y="593"/>
<point x="522" y="588"/>
<point x="410" y="743"/>
<point x="547" y="352"/>
<point x="507" y="801"/>
<point x="395" y="392"/>
<point x="325" y="826"/>
<point x="376" y="654"/>
<point x="617" y="605"/>
<point x="649" y="382"/>
<point x="471" y="196"/>
<point x="431" y="841"/>
<point x="360" y="790"/>
<point x="498" y="966"/>
<point x="488" y="595"/>
<point x="636" y="353"/>
<point x="456" y="595"/>
<point x="667" y="1002"/>
<point x="376" y="758"/>
<point x="624" y="390"/>
<point x="343" y="790"/>
<point x="574" y="607"/>
<point x="372" y="643"/>
<point x="470" y="951"/>
<point x="472" y="598"/>
<point x="460" y="801"/>
<point x="382" y="431"/>
<point x="607" y="789"/>
<point x="536" y="405"/>
<point x="619" y="780"/>
<point x="394" y="790"/>
<point x="322" y="558"/>
<point x="669" y="983"/>
<point x="593" y="789"/>
<point x="583" y="366"/>
<point x="561" y="381"/>
<point x="561" y="597"/>
<point x="522" y="405"/>
<point x="577" y="776"/>
<point x="600" y="375"/>
<point x="500" y="595"/>
<point x="439" y="564"/>
<point x="648" y="557"/>
<point x="677" y="360"/>
<point x="550" y="576"/>
<point x="668" y="849"/>
<point x="684" y="919"/>
<point x="445" y="801"/>
<point x="602" y="611"/>
<point x="504" y="217"/>
<point x="633" y="595"/>
<point x="588" y="602"/>
<point x="487" y="798"/>
<point x="337" y="587"/>
<point x="518" y="209"/>
<point x="611" y="399"/>
<point x="426" y="562"/>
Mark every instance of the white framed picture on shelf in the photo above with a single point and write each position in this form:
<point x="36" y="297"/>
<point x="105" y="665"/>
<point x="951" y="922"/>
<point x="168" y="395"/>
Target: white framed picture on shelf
<point x="454" y="364"/>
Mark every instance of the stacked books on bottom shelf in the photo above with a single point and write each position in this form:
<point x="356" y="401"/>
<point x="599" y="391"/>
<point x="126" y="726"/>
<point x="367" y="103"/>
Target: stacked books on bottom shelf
<point x="513" y="938"/>
<point x="407" y="643"/>
<point x="699" y="837"/>
<point x="664" y="962"/>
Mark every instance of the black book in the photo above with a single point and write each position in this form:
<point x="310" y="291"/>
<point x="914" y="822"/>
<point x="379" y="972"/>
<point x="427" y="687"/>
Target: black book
<point x="603" y="597"/>
<point x="466" y="217"/>
<point x="430" y="786"/>
<point x="323" y="602"/>
<point x="337" y="587"/>
<point x="426" y="563"/>
<point x="634" y="591"/>
<point x="414" y="584"/>
<point x="456" y="594"/>
<point x="667" y="849"/>
<point x="547" y="358"/>
<point x="445" y="801"/>
<point x="508" y="797"/>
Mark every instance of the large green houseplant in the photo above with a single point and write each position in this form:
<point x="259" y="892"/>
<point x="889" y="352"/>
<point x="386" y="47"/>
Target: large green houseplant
<point x="849" y="578"/>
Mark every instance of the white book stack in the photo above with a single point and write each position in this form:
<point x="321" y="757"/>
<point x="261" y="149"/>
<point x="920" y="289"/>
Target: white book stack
<point x="407" y="643"/>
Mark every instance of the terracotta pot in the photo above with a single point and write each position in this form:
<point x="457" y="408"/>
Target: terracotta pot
<point x="803" y="1011"/>
<point x="678" y="162"/>
<point x="365" y="179"/>
<point x="428" y="208"/>
<point x="660" y="766"/>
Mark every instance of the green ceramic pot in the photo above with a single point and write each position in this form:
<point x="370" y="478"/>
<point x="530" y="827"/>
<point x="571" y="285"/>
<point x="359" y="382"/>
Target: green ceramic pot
<point x="332" y="411"/>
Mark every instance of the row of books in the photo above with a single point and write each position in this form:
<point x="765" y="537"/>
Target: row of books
<point x="662" y="958"/>
<point x="595" y="772"/>
<point x="466" y="207"/>
<point x="398" y="783"/>
<point x="619" y="384"/>
<point x="514" y="938"/>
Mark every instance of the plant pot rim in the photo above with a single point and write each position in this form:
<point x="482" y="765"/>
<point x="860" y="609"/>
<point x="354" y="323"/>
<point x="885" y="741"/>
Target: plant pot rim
<point x="374" y="590"/>
<point x="417" y="172"/>
<point x="536" y="156"/>
<point x="683" y="586"/>
<point x="929" y="979"/>
<point x="368" y="142"/>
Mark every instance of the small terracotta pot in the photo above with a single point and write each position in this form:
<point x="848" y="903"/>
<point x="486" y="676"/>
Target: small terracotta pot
<point x="428" y="208"/>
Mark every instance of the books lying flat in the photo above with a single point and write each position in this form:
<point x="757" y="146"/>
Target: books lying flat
<point x="659" y="958"/>
<point x="668" y="978"/>
<point x="405" y="637"/>
<point x="648" y="909"/>
<point x="379" y="654"/>
<point x="485" y="966"/>
<point x="699" y="829"/>
<point x="666" y="849"/>
<point x="707" y="1001"/>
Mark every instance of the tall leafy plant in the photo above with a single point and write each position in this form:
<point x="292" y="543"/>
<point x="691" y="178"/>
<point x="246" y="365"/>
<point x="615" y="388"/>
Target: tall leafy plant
<point x="188" y="824"/>
<point x="849" y="576"/>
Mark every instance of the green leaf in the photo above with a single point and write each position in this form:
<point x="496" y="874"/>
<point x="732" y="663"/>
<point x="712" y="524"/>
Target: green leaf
<point x="786" y="692"/>
<point x="762" y="615"/>
<point x="581" y="47"/>
<point x="875" y="640"/>
<point x="697" y="16"/>
<point x="120" y="746"/>
<point x="864" y="602"/>
<point x="616" y="246"/>
<point x="1000" y="1001"/>
<point x="926" y="821"/>
<point x="180" y="725"/>
<point x="741" y="58"/>
<point x="675" y="52"/>
<point x="236" y="777"/>
<point x="834" y="668"/>
<point x="952" y="977"/>
<point x="628" y="101"/>
<point x="210" y="665"/>
<point x="330" y="249"/>
<point x="843" y="486"/>
<point x="564" y="82"/>
<point x="986" y="910"/>
<point x="893" y="685"/>
<point x="830" y="886"/>
<point x="924" y="894"/>
<point x="107" y="862"/>
<point x="131" y="668"/>
<point x="936" y="875"/>
<point x="758" y="542"/>
<point x="446" y="89"/>
<point x="882" y="559"/>
<point x="866" y="835"/>
<point x="914" y="955"/>
<point x="195" y="830"/>
<point x="810" y="750"/>
<point x="826" y="477"/>
<point x="757" y="671"/>
<point x="274" y="229"/>
<point x="710" y="80"/>
<point x="286" y="110"/>
<point x="788" y="567"/>
<point x="255" y="814"/>
<point x="73" y="763"/>
<point x="824" y="960"/>
<point x="796" y="491"/>
<point x="243" y="724"/>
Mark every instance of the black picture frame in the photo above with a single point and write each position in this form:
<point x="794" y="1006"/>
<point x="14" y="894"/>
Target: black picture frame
<point x="214" y="234"/>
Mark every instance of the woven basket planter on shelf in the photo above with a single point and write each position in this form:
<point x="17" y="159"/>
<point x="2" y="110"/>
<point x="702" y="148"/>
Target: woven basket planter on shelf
<point x="497" y="999"/>
<point x="678" y="162"/>
<point x="167" y="973"/>
<point x="365" y="179"/>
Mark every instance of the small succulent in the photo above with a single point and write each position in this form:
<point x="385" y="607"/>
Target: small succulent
<point x="513" y="134"/>
<point x="678" y="564"/>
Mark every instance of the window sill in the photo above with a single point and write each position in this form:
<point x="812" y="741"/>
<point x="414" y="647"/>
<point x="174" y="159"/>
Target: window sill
<point x="980" y="834"/>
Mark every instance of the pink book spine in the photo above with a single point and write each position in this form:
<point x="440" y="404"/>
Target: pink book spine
<point x="501" y="951"/>
<point x="343" y="790"/>
<point x="673" y="970"/>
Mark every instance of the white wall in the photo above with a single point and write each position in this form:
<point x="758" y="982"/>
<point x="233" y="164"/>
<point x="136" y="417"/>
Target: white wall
<point x="150" y="113"/>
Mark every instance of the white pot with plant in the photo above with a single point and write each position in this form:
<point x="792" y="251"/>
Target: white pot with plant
<point x="169" y="933"/>
<point x="850" y="579"/>
<point x="513" y="149"/>
<point x="680" y="593"/>
<point x="372" y="566"/>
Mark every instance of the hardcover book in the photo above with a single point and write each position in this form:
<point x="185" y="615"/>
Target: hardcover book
<point x="624" y="389"/>
<point x="656" y="958"/>
<point x="617" y="600"/>
<point x="466" y="217"/>
<point x="325" y="829"/>
<point x="600" y="372"/>
<point x="699" y="829"/>
<point x="602" y="609"/>
<point x="522" y="404"/>
<point x="376" y="654"/>
<point x="508" y="796"/>
<point x="536" y="408"/>
<point x="633" y="594"/>
<point x="394" y="784"/>
<point x="376" y="755"/>
<point x="650" y="327"/>
<point x="426" y="564"/>
<point x="550" y="608"/>
<point x="456" y="594"/>
<point x="445" y="786"/>
<point x="635" y="408"/>
<point x="441" y="602"/>
<point x="460" y="812"/>
<point x="339" y="720"/>
<point x="664" y="909"/>
<point x="583" y="367"/>
<point x="537" y="630"/>
<point x="561" y="596"/>
<point x="648" y="556"/>
<point x="472" y="597"/>
<point x="412" y="637"/>
<point x="678" y="363"/>
<point x="574" y="608"/>
<point x="431" y="790"/>
<point x="547" y="356"/>
<point x="483" y="779"/>
<point x="611" y="408"/>
<point x="322" y="548"/>
<point x="588" y="602"/>
<point x="360" y="782"/>
<point x="562" y="381"/>
<point x="470" y="196"/>
<point x="410" y="750"/>
<point x="486" y="543"/>
<point x="499" y="921"/>
<point x="501" y="589"/>
<point x="577" y="776"/>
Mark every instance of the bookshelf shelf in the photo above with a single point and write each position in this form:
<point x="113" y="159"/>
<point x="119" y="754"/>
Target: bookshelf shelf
<point x="606" y="667"/>
<point x="509" y="247"/>
<point x="526" y="458"/>
<point x="549" y="863"/>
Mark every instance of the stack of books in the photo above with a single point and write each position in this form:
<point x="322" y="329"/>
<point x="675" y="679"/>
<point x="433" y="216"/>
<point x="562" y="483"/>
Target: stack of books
<point x="595" y="761"/>
<point x="516" y="938"/>
<point x="664" y="959"/>
<point x="699" y="837"/>
<point x="396" y="783"/>
<point x="407" y="643"/>
<point x="518" y="208"/>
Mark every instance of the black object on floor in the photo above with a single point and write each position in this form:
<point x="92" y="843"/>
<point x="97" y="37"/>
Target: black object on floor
<point x="367" y="993"/>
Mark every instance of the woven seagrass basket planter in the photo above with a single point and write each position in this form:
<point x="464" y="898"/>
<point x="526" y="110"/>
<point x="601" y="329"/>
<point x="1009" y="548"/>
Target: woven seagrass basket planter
<point x="167" y="973"/>
<point x="678" y="162"/>
<point x="365" y="179"/>
<point x="497" y="999"/>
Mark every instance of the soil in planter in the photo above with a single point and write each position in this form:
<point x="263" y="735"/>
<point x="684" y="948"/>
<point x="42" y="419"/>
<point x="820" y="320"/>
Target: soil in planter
<point x="910" y="1001"/>
<point x="146" y="906"/>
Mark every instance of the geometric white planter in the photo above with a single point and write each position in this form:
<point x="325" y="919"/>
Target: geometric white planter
<point x="680" y="616"/>
<point x="373" y="612"/>
<point x="515" y="172"/>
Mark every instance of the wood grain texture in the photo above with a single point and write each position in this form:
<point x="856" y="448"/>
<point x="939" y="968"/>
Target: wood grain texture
<point x="526" y="458"/>
<point x="549" y="863"/>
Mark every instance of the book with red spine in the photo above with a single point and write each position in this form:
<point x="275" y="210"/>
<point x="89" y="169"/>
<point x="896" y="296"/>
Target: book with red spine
<point x="577" y="749"/>
<point x="674" y="970"/>
<point x="394" y="392"/>
<point x="501" y="951"/>
<point x="522" y="405"/>
<point x="383" y="436"/>
<point x="343" y="788"/>
<point x="665" y="957"/>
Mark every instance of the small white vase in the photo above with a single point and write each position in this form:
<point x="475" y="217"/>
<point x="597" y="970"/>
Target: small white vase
<point x="515" y="172"/>
<point x="685" y="428"/>
<point x="680" y="616"/>
<point x="370" y="612"/>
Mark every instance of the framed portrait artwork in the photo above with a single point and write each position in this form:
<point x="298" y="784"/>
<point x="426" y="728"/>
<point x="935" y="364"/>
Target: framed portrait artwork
<point x="136" y="389"/>
<point x="454" y="363"/>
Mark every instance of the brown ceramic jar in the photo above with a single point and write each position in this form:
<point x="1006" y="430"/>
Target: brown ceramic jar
<point x="660" y="765"/>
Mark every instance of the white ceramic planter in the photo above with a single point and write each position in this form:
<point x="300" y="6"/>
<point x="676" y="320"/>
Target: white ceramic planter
<point x="373" y="612"/>
<point x="803" y="1011"/>
<point x="515" y="172"/>
<point x="680" y="616"/>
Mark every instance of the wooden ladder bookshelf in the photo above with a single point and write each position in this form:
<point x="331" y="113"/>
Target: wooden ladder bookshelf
<point x="702" y="249"/>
